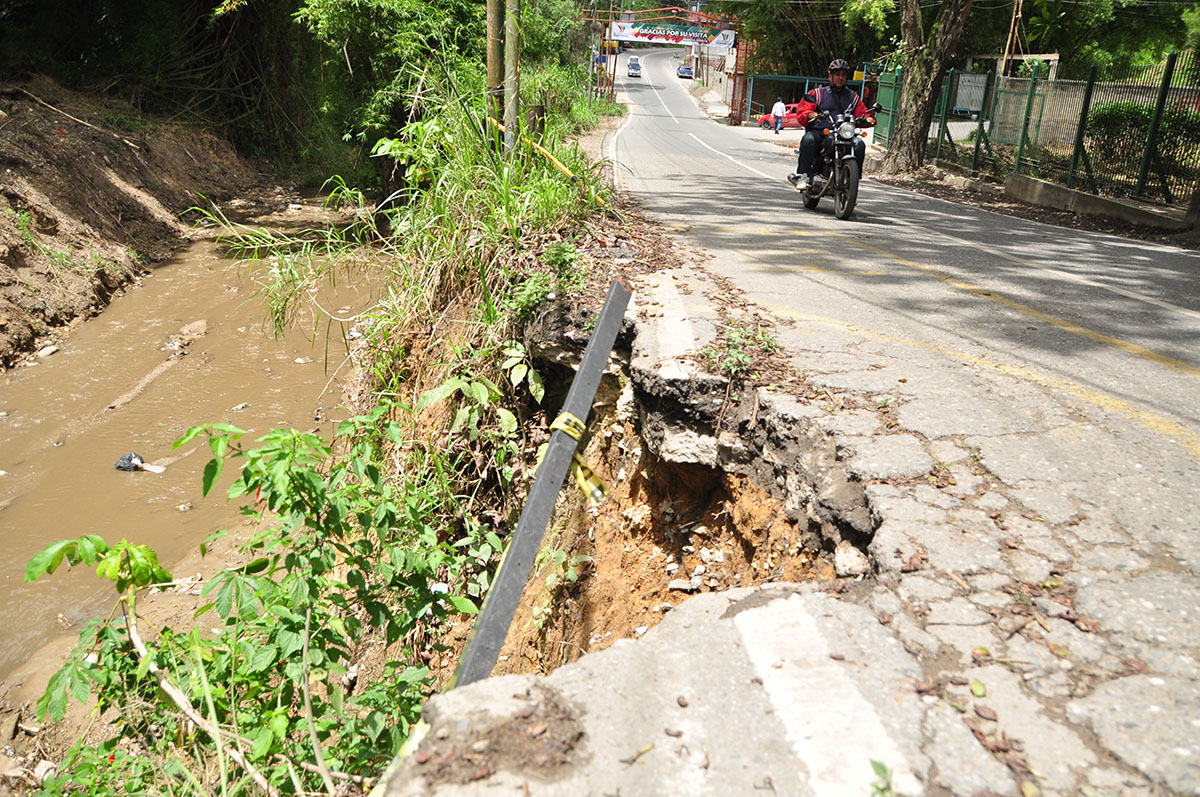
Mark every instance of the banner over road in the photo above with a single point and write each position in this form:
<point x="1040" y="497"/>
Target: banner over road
<point x="658" y="33"/>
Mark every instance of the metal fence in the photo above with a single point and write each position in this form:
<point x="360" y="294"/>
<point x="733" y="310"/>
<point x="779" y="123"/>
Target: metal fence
<point x="764" y="89"/>
<point x="1135" y="134"/>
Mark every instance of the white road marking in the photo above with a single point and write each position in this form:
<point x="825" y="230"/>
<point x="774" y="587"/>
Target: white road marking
<point x="735" y="160"/>
<point x="612" y="151"/>
<point x="834" y="730"/>
<point x="664" y="104"/>
<point x="1128" y="294"/>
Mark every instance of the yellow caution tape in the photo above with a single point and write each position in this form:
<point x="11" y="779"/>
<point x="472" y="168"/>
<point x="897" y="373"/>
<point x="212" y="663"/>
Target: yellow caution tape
<point x="593" y="487"/>
<point x="568" y="423"/>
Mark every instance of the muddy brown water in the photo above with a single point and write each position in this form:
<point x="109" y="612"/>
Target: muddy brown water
<point x="60" y="433"/>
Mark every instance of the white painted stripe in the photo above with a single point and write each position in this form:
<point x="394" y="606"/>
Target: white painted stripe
<point x="735" y="160"/>
<point x="831" y="726"/>
<point x="1025" y="261"/>
<point x="664" y="103"/>
<point x="612" y="151"/>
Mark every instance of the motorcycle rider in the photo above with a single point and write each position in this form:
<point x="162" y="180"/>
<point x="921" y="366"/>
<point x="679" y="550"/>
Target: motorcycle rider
<point x="837" y="98"/>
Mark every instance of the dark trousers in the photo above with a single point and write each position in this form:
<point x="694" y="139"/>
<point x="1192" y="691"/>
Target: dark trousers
<point x="808" y="150"/>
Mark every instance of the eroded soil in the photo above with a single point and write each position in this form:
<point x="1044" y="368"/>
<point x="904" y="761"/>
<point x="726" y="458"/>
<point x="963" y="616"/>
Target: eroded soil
<point x="90" y="194"/>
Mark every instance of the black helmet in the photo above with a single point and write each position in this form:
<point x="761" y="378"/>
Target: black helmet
<point x="839" y="65"/>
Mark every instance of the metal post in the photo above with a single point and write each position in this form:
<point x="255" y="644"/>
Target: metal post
<point x="988" y="84"/>
<point x="1152" y="138"/>
<point x="1082" y="128"/>
<point x="491" y="626"/>
<point x="1028" y="113"/>
<point x="512" y="82"/>
<point x="895" y="109"/>
<point x="937" y="151"/>
<point x="750" y="101"/>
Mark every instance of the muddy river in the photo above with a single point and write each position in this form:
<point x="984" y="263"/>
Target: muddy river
<point x="117" y="384"/>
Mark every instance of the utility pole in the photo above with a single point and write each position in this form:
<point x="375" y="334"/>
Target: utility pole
<point x="512" y="60"/>
<point x="495" y="63"/>
<point x="1014" y="30"/>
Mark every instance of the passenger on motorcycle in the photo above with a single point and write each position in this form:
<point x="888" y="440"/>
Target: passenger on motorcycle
<point x="837" y="98"/>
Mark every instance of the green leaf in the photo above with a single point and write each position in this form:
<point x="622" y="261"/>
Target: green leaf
<point x="211" y="471"/>
<point x="188" y="436"/>
<point x="462" y="604"/>
<point x="263" y="740"/>
<point x="412" y="675"/>
<point x="494" y="540"/>
<point x="263" y="658"/>
<point x="279" y="725"/>
<point x="439" y="393"/>
<point x="53" y="702"/>
<point x="978" y="689"/>
<point x="374" y="724"/>
<point x="289" y="642"/>
<point x="508" y="421"/>
<point x="536" y="388"/>
<point x="48" y="559"/>
<point x="257" y="566"/>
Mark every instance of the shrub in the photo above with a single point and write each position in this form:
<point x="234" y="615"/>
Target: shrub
<point x="1118" y="132"/>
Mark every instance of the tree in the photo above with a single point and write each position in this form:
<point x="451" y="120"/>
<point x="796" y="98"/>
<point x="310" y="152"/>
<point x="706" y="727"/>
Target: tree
<point x="929" y="53"/>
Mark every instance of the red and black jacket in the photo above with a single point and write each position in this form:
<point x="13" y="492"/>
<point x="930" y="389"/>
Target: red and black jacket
<point x="826" y="99"/>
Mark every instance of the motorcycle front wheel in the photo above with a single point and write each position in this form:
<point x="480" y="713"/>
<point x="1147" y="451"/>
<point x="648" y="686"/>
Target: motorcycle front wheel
<point x="847" y="193"/>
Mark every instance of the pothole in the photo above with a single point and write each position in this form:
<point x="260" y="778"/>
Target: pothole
<point x="691" y="510"/>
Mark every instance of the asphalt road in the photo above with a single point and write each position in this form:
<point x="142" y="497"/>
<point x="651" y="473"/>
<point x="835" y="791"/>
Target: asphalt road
<point x="1015" y="405"/>
<point x="1112" y="321"/>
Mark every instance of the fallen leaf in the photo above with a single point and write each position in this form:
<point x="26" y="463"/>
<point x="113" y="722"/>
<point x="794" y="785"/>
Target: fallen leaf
<point x="978" y="689"/>
<point x="1030" y="789"/>
<point x="986" y="712"/>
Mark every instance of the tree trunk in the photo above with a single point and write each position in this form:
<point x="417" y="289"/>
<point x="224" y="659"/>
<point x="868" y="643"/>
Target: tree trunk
<point x="929" y="56"/>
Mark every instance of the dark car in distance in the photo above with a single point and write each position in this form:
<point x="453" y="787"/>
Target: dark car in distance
<point x="684" y="70"/>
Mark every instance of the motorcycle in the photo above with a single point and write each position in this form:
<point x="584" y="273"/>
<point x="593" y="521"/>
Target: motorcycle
<point x="834" y="167"/>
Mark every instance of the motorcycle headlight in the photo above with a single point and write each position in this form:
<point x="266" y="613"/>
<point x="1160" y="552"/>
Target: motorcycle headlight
<point x="847" y="130"/>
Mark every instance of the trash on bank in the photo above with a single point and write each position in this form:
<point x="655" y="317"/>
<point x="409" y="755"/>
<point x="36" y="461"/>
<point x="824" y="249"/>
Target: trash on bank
<point x="131" y="462"/>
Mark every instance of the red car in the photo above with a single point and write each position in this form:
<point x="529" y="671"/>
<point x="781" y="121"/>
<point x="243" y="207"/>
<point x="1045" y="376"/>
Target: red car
<point x="790" y="119"/>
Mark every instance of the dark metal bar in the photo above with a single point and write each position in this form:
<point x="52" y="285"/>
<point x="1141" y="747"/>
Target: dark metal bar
<point x="1028" y="112"/>
<point x="988" y="86"/>
<point x="949" y="78"/>
<point x="1082" y="128"/>
<point x="1152" y="137"/>
<point x="491" y="627"/>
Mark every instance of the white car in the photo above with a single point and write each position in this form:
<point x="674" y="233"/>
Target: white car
<point x="634" y="67"/>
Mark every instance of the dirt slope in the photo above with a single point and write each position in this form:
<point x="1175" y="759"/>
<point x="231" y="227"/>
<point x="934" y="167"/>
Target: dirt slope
<point x="89" y="197"/>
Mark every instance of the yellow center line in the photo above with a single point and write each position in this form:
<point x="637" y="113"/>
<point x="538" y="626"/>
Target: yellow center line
<point x="817" y="270"/>
<point x="1158" y="358"/>
<point x="1187" y="437"/>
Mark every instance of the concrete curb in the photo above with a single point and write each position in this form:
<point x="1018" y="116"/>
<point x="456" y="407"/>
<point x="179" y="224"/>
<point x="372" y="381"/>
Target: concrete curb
<point x="1046" y="194"/>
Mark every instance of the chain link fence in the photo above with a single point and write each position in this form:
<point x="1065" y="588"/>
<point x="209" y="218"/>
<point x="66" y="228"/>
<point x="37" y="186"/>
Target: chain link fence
<point x="1126" y="135"/>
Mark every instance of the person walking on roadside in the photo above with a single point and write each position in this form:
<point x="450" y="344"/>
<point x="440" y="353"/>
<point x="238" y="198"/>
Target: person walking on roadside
<point x="777" y="111"/>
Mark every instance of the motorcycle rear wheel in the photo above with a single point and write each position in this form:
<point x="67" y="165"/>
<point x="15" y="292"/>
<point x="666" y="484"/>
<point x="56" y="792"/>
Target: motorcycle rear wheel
<point x="847" y="193"/>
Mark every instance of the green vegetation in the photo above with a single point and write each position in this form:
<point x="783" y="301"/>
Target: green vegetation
<point x="1118" y="131"/>
<point x="379" y="538"/>
<point x="735" y="354"/>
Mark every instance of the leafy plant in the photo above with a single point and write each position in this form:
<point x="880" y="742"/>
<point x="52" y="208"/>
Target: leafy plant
<point x="349" y="554"/>
<point x="734" y="355"/>
<point x="882" y="786"/>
